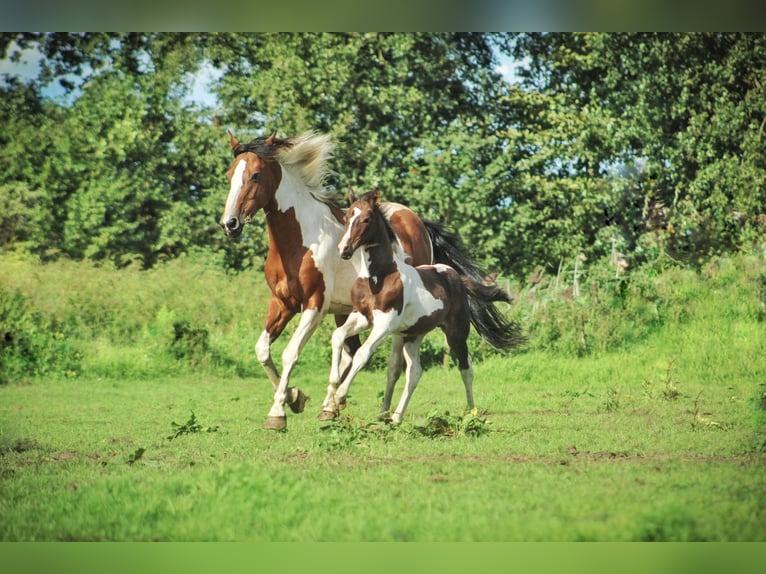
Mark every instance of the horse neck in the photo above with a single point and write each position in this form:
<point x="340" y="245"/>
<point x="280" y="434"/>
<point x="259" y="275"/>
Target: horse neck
<point x="379" y="259"/>
<point x="293" y="205"/>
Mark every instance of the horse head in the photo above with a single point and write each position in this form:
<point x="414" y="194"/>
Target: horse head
<point x="254" y="177"/>
<point x="358" y="222"/>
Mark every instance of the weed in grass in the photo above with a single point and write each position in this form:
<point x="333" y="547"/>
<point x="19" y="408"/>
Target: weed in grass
<point x="189" y="427"/>
<point x="670" y="525"/>
<point x="700" y="418"/>
<point x="611" y="403"/>
<point x="345" y="432"/>
<point x="136" y="455"/>
<point x="438" y="425"/>
<point x="670" y="390"/>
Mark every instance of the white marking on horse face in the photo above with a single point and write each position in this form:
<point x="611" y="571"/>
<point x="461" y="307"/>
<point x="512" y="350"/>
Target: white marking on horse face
<point x="234" y="191"/>
<point x="347" y="233"/>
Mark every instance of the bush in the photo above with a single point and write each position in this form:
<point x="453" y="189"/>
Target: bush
<point x="607" y="310"/>
<point x="32" y="345"/>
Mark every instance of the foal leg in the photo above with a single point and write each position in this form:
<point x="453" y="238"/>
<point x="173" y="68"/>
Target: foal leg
<point x="350" y="347"/>
<point x="412" y="376"/>
<point x="458" y="342"/>
<point x="355" y="324"/>
<point x="376" y="337"/>
<point x="395" y="362"/>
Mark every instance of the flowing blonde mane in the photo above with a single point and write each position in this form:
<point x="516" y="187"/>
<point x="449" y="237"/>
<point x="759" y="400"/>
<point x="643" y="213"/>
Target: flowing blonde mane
<point x="308" y="154"/>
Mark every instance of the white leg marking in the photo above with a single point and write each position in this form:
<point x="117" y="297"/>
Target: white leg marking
<point x="412" y="376"/>
<point x="467" y="376"/>
<point x="395" y="362"/>
<point x="263" y="353"/>
<point x="310" y="320"/>
<point x="376" y="337"/>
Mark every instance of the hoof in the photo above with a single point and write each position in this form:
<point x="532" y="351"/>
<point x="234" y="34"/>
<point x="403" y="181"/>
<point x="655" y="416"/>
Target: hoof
<point x="275" y="423"/>
<point x="298" y="402"/>
<point x="327" y="416"/>
<point x="342" y="404"/>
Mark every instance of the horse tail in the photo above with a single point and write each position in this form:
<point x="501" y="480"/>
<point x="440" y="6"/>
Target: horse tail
<point x="481" y="289"/>
<point x="486" y="318"/>
<point x="448" y="249"/>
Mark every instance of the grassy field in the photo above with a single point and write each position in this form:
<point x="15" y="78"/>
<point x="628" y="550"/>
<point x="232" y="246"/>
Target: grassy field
<point x="142" y="436"/>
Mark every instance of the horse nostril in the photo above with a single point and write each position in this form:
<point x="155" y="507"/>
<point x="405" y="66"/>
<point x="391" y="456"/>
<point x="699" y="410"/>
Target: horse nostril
<point x="232" y="224"/>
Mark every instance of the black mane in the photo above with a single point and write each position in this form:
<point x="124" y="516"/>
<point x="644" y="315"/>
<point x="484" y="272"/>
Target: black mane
<point x="260" y="147"/>
<point x="386" y="223"/>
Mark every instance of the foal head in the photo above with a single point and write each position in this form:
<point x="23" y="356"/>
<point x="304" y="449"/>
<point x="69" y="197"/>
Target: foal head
<point x="364" y="224"/>
<point x="254" y="177"/>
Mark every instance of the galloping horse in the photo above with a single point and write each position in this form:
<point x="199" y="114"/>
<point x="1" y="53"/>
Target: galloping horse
<point x="408" y="302"/>
<point x="285" y="178"/>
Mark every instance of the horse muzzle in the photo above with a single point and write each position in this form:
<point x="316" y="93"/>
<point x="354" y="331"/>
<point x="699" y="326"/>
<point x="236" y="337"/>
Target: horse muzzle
<point x="346" y="252"/>
<point x="232" y="227"/>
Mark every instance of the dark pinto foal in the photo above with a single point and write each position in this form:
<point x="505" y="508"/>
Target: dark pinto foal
<point x="407" y="302"/>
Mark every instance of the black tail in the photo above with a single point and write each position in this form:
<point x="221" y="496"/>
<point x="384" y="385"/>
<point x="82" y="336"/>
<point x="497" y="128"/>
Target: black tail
<point x="482" y="291"/>
<point x="490" y="323"/>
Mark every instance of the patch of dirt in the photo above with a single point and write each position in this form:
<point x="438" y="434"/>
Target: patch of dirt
<point x="22" y="445"/>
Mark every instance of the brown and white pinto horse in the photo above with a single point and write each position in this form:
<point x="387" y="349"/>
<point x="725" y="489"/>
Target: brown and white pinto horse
<point x="408" y="302"/>
<point x="285" y="178"/>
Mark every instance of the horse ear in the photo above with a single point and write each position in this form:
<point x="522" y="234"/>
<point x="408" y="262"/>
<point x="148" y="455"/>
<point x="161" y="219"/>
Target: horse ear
<point x="375" y="196"/>
<point x="270" y="139"/>
<point x="351" y="196"/>
<point x="232" y="140"/>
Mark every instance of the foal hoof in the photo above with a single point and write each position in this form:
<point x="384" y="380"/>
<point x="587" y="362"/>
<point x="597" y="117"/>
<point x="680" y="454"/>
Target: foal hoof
<point x="298" y="400"/>
<point x="327" y="416"/>
<point x="275" y="423"/>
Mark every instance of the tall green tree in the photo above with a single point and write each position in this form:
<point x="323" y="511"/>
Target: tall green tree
<point x="126" y="172"/>
<point x="687" y="109"/>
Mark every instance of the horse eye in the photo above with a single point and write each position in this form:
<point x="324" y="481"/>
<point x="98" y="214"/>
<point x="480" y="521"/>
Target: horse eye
<point x="256" y="177"/>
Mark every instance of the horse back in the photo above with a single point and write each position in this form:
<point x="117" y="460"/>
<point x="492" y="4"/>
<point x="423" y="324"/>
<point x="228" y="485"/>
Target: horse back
<point x="410" y="231"/>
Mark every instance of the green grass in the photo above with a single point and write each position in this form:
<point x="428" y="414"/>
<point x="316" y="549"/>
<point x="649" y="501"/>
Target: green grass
<point x="657" y="439"/>
<point x="578" y="449"/>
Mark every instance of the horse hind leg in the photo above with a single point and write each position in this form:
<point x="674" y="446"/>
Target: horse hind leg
<point x="458" y="343"/>
<point x="395" y="363"/>
<point x="412" y="377"/>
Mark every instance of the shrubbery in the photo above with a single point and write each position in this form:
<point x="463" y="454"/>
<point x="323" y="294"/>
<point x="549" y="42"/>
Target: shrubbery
<point x="188" y="315"/>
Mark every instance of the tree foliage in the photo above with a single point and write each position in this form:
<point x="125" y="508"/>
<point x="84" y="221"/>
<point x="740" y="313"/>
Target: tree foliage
<point x="646" y="144"/>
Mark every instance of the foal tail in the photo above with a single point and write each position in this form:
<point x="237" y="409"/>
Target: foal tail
<point x="482" y="291"/>
<point x="490" y="323"/>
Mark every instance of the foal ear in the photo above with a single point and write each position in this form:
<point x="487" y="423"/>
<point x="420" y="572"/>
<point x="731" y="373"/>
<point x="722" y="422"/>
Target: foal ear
<point x="351" y="196"/>
<point x="232" y="140"/>
<point x="375" y="196"/>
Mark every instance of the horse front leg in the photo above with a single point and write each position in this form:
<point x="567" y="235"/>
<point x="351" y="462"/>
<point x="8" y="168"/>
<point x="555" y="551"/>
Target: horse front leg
<point x="376" y="337"/>
<point x="355" y="323"/>
<point x="350" y="347"/>
<point x="277" y="420"/>
<point x="277" y="317"/>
